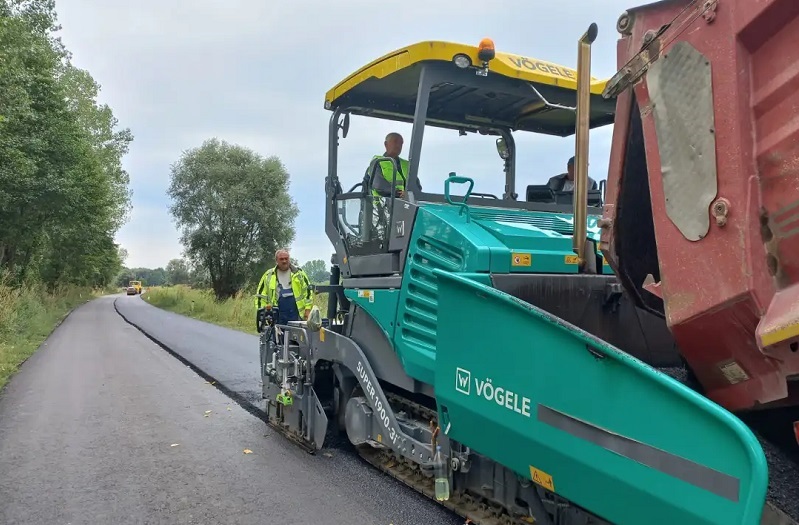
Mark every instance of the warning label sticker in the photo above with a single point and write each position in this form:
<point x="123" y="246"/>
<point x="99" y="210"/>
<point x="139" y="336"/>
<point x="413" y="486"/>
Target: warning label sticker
<point x="521" y="259"/>
<point x="542" y="478"/>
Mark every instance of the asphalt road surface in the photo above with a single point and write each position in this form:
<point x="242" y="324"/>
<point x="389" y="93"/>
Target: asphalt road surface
<point x="228" y="356"/>
<point x="102" y="425"/>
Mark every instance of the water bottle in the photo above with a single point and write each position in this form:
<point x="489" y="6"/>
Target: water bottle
<point x="442" y="480"/>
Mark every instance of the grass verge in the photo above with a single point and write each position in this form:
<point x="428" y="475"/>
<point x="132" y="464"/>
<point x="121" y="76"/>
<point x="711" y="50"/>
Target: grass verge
<point x="237" y="313"/>
<point x="28" y="315"/>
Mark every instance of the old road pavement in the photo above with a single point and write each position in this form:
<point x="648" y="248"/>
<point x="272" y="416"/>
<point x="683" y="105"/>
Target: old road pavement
<point x="102" y="425"/>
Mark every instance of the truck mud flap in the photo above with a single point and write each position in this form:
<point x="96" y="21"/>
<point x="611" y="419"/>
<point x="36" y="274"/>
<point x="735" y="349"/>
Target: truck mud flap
<point x="586" y="421"/>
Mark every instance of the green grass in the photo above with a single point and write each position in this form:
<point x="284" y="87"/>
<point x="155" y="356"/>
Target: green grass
<point x="28" y="315"/>
<point x="237" y="312"/>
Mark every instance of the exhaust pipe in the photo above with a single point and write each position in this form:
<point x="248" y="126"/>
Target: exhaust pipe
<point x="581" y="142"/>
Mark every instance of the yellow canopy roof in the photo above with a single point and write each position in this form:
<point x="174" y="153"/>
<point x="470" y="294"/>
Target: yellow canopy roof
<point x="508" y="96"/>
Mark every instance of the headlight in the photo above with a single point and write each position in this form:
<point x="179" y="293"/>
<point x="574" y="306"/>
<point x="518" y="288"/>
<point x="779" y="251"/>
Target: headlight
<point x="462" y="61"/>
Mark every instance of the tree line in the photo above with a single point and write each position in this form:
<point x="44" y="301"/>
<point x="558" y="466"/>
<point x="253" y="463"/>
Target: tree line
<point x="63" y="191"/>
<point x="182" y="272"/>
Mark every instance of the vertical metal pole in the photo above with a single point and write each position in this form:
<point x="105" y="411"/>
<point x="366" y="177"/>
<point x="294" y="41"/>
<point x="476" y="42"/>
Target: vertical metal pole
<point x="581" y="142"/>
<point x="510" y="167"/>
<point x="332" y="146"/>
<point x="426" y="79"/>
<point x="332" y="185"/>
<point x="335" y="275"/>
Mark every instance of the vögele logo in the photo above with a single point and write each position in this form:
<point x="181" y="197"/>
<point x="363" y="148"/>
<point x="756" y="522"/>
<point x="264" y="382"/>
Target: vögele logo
<point x="463" y="381"/>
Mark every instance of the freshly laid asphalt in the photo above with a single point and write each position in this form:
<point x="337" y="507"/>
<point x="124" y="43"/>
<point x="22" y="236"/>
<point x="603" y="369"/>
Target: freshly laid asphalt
<point x="229" y="356"/>
<point x="101" y="425"/>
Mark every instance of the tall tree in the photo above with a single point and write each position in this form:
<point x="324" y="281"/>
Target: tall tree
<point x="63" y="194"/>
<point x="109" y="144"/>
<point x="123" y="255"/>
<point x="198" y="275"/>
<point x="317" y="271"/>
<point x="233" y="209"/>
<point x="178" y="272"/>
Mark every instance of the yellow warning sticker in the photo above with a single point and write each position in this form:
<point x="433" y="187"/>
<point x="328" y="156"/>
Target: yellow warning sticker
<point x="322" y="334"/>
<point x="367" y="294"/>
<point x="542" y="478"/>
<point x="571" y="259"/>
<point x="521" y="259"/>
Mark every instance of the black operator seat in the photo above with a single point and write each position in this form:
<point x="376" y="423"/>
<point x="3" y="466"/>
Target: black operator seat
<point x="540" y="193"/>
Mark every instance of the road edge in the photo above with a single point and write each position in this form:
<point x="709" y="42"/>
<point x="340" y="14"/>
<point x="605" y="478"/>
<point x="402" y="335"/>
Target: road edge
<point x="240" y="400"/>
<point x="47" y="337"/>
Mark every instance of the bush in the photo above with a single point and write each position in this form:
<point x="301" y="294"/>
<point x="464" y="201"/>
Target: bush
<point x="28" y="314"/>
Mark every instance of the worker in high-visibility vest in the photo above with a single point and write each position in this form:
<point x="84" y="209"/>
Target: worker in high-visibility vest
<point x="384" y="170"/>
<point x="286" y="287"/>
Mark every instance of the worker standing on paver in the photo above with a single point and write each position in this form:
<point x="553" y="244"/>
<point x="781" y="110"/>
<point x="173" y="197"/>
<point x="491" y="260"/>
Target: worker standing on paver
<point x="383" y="171"/>
<point x="286" y="287"/>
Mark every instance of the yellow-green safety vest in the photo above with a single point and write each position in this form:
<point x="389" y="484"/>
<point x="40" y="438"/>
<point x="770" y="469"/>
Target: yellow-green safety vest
<point x="300" y="285"/>
<point x="387" y="169"/>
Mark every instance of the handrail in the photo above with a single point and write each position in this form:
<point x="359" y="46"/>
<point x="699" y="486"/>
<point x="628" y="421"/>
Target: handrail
<point x="455" y="178"/>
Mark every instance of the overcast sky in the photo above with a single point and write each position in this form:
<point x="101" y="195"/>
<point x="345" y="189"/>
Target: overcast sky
<point x="254" y="72"/>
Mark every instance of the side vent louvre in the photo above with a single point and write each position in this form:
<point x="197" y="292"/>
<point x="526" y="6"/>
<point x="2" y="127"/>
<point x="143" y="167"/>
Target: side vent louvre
<point x="421" y="306"/>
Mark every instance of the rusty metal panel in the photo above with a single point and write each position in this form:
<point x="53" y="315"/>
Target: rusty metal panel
<point x="772" y="38"/>
<point x="680" y="88"/>
<point x="724" y="285"/>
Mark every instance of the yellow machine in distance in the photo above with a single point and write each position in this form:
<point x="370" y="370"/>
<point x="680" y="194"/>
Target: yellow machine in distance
<point x="136" y="285"/>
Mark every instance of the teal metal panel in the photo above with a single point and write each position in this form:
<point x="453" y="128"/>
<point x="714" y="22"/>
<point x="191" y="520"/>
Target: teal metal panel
<point x="490" y="240"/>
<point x="581" y="423"/>
<point x="440" y="240"/>
<point x="380" y="304"/>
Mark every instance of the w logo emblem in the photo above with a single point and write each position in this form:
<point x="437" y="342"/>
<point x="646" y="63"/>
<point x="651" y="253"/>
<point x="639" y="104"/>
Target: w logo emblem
<point x="463" y="381"/>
